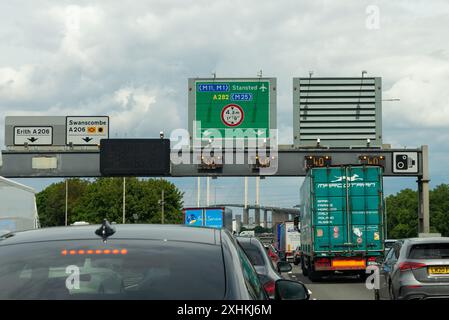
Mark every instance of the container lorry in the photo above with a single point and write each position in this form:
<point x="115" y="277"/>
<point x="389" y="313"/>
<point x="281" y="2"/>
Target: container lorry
<point x="18" y="209"/>
<point x="217" y="217"/>
<point x="289" y="239"/>
<point x="342" y="220"/>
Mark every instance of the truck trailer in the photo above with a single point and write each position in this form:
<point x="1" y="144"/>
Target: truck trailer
<point x="342" y="220"/>
<point x="289" y="239"/>
<point x="216" y="217"/>
<point x="18" y="209"/>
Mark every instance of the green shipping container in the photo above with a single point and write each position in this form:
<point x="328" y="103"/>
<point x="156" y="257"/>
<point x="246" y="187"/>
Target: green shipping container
<point x="342" y="211"/>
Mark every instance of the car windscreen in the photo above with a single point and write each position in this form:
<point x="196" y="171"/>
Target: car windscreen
<point x="253" y="253"/>
<point x="117" y="269"/>
<point x="429" y="251"/>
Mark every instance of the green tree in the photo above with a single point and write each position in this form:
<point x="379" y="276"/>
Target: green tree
<point x="439" y="209"/>
<point x="50" y="202"/>
<point x="402" y="214"/>
<point x="104" y="199"/>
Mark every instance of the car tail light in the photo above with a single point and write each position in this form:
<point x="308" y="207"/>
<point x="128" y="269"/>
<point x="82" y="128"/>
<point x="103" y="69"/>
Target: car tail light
<point x="405" y="266"/>
<point x="269" y="287"/>
<point x="372" y="259"/>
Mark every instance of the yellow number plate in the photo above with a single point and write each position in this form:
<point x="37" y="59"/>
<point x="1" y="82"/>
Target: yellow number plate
<point x="439" y="270"/>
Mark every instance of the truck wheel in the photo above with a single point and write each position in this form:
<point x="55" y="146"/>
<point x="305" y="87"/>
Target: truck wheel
<point x="363" y="275"/>
<point x="314" y="276"/>
<point x="303" y="268"/>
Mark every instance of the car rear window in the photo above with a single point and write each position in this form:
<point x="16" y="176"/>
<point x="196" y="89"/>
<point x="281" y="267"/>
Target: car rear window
<point x="253" y="253"/>
<point x="128" y="269"/>
<point x="429" y="251"/>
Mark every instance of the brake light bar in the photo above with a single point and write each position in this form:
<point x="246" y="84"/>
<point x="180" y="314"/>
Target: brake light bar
<point x="405" y="266"/>
<point x="81" y="252"/>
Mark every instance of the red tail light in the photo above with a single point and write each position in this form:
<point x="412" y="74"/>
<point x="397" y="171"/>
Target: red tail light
<point x="269" y="287"/>
<point x="323" y="262"/>
<point x="372" y="259"/>
<point x="405" y="266"/>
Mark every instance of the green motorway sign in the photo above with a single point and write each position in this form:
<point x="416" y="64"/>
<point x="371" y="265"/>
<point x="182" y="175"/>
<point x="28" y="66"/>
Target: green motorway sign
<point x="220" y="105"/>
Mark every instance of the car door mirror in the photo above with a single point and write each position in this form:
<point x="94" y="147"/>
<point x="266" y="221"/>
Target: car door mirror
<point x="284" y="266"/>
<point x="290" y="290"/>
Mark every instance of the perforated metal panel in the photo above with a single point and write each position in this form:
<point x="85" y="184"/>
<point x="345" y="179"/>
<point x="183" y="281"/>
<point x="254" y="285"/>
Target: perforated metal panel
<point x="340" y="112"/>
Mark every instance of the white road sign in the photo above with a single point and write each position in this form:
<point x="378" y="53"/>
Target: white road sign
<point x="33" y="136"/>
<point x="86" y="130"/>
<point x="405" y="162"/>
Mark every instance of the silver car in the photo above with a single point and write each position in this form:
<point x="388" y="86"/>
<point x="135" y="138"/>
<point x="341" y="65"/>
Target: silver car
<point x="415" y="268"/>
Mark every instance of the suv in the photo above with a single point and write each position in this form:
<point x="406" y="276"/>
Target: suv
<point x="415" y="268"/>
<point x="131" y="262"/>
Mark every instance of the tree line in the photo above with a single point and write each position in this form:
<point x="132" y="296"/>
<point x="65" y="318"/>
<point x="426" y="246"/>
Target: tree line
<point x="402" y="212"/>
<point x="92" y="200"/>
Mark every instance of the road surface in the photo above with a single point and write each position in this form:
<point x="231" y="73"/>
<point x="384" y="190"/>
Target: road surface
<point x="333" y="288"/>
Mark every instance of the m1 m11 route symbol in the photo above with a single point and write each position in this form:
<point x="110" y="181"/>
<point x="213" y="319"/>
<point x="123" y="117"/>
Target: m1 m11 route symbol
<point x="232" y="115"/>
<point x="33" y="136"/>
<point x="86" y="130"/>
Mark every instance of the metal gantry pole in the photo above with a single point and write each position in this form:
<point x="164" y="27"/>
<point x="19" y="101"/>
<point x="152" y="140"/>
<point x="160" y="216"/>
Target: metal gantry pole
<point x="423" y="193"/>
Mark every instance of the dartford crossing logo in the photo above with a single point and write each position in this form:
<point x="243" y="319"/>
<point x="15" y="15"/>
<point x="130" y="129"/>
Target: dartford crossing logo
<point x="355" y="177"/>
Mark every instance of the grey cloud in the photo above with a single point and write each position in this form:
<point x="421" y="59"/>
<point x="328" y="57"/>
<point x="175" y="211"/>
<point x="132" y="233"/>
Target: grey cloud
<point x="91" y="57"/>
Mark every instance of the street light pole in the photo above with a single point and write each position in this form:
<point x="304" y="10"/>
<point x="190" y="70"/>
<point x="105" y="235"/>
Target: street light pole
<point x="124" y="199"/>
<point x="162" y="209"/>
<point x="66" y="199"/>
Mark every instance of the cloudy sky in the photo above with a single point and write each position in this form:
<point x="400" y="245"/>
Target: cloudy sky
<point x="131" y="60"/>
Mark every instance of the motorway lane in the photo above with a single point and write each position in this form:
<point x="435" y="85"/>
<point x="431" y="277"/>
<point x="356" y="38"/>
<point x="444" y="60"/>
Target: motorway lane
<point x="333" y="288"/>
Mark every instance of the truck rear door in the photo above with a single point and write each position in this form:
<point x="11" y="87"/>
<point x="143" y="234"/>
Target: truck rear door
<point x="347" y="205"/>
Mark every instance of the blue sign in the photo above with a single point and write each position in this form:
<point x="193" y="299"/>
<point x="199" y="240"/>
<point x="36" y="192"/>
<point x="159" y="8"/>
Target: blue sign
<point x="214" y="218"/>
<point x="194" y="217"/>
<point x="213" y="87"/>
<point x="241" y="97"/>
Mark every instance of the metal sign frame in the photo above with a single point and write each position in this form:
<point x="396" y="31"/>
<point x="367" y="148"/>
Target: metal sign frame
<point x="192" y="115"/>
<point x="32" y="143"/>
<point x="87" y="143"/>
<point x="291" y="163"/>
